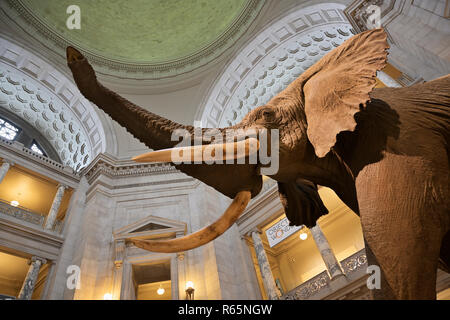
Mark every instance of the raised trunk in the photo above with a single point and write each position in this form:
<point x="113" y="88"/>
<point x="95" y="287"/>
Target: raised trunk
<point x="153" y="130"/>
<point x="156" y="132"/>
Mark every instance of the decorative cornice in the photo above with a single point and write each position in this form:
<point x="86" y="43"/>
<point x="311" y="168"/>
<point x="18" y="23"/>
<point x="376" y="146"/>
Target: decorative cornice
<point x="27" y="20"/>
<point x="16" y="152"/>
<point x="106" y="165"/>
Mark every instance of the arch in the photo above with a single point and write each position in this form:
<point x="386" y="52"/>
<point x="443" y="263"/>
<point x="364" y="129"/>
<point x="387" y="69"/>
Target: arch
<point x="37" y="92"/>
<point x="272" y="60"/>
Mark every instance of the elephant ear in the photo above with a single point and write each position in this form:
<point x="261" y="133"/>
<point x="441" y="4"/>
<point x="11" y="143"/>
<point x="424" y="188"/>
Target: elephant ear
<point x="336" y="86"/>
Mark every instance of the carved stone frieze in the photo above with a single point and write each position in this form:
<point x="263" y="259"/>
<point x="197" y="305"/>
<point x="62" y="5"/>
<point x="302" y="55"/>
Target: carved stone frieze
<point x="105" y="165"/>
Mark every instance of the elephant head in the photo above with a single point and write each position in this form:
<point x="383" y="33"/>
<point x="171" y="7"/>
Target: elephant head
<point x="308" y="114"/>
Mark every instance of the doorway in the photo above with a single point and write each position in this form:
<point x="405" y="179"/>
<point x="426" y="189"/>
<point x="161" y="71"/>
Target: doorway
<point x="152" y="281"/>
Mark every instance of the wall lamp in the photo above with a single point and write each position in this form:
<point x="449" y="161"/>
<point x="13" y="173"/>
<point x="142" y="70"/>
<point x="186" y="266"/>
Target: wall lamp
<point x="190" y="290"/>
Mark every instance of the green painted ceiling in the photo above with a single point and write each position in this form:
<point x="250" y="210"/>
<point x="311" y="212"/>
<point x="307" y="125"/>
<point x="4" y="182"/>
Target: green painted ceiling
<point x="142" y="31"/>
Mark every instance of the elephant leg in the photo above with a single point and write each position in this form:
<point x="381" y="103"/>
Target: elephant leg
<point x="408" y="270"/>
<point x="385" y="292"/>
<point x="404" y="218"/>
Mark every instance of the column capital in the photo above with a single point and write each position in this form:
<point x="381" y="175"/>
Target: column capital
<point x="253" y="230"/>
<point x="36" y="258"/>
<point x="62" y="186"/>
<point x="10" y="162"/>
<point x="180" y="256"/>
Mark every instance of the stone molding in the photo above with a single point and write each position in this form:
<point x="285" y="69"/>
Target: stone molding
<point x="106" y="164"/>
<point x="25" y="237"/>
<point x="272" y="60"/>
<point x="15" y="151"/>
<point x="21" y="213"/>
<point x="38" y="29"/>
<point x="169" y="227"/>
<point x="45" y="98"/>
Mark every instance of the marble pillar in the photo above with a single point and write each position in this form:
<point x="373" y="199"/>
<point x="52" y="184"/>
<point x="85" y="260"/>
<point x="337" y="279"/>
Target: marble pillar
<point x="387" y="80"/>
<point x="333" y="266"/>
<point x="264" y="266"/>
<point x="4" y="169"/>
<point x="30" y="280"/>
<point x="181" y="270"/>
<point x="51" y="217"/>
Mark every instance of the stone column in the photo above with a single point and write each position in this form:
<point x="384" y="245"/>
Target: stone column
<point x="264" y="266"/>
<point x="55" y="207"/>
<point x="333" y="266"/>
<point x="118" y="269"/>
<point x="388" y="80"/>
<point x="4" y="169"/>
<point x="181" y="269"/>
<point x="30" y="280"/>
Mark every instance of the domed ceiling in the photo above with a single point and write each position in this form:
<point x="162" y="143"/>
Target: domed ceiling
<point x="141" y="30"/>
<point x="156" y="38"/>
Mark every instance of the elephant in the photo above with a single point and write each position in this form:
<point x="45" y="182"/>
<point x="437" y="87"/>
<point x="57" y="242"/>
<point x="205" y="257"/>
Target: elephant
<point x="384" y="151"/>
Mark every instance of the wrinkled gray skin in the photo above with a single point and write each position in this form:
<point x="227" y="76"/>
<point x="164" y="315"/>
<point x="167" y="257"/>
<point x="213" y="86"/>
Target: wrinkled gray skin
<point x="383" y="151"/>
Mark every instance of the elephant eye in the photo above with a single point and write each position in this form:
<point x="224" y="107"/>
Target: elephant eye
<point x="268" y="114"/>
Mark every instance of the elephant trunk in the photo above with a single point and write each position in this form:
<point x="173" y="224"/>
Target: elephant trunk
<point x="151" y="129"/>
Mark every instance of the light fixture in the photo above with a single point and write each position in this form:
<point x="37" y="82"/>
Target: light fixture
<point x="303" y="236"/>
<point x="14" y="203"/>
<point x="190" y="290"/>
<point x="160" y="290"/>
<point x="107" y="296"/>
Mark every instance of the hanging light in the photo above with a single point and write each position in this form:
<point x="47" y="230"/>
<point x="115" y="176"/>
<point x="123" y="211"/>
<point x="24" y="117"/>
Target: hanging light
<point x="14" y="203"/>
<point x="303" y="236"/>
<point x="160" y="290"/>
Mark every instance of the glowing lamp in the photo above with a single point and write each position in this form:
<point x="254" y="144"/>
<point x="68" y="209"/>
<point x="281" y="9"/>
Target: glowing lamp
<point x="189" y="285"/>
<point x="190" y="290"/>
<point x="160" y="291"/>
<point x="14" y="203"/>
<point x="303" y="236"/>
<point x="107" y="296"/>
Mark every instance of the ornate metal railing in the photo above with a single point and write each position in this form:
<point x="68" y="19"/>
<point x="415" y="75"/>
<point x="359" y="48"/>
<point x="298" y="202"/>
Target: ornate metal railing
<point x="27" y="215"/>
<point x="21" y="213"/>
<point x="313" y="286"/>
<point x="355" y="262"/>
<point x="308" y="288"/>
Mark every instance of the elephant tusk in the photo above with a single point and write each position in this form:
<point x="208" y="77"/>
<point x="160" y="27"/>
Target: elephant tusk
<point x="202" y="236"/>
<point x="227" y="151"/>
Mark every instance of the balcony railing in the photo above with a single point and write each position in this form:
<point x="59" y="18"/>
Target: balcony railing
<point x="27" y="215"/>
<point x="350" y="265"/>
